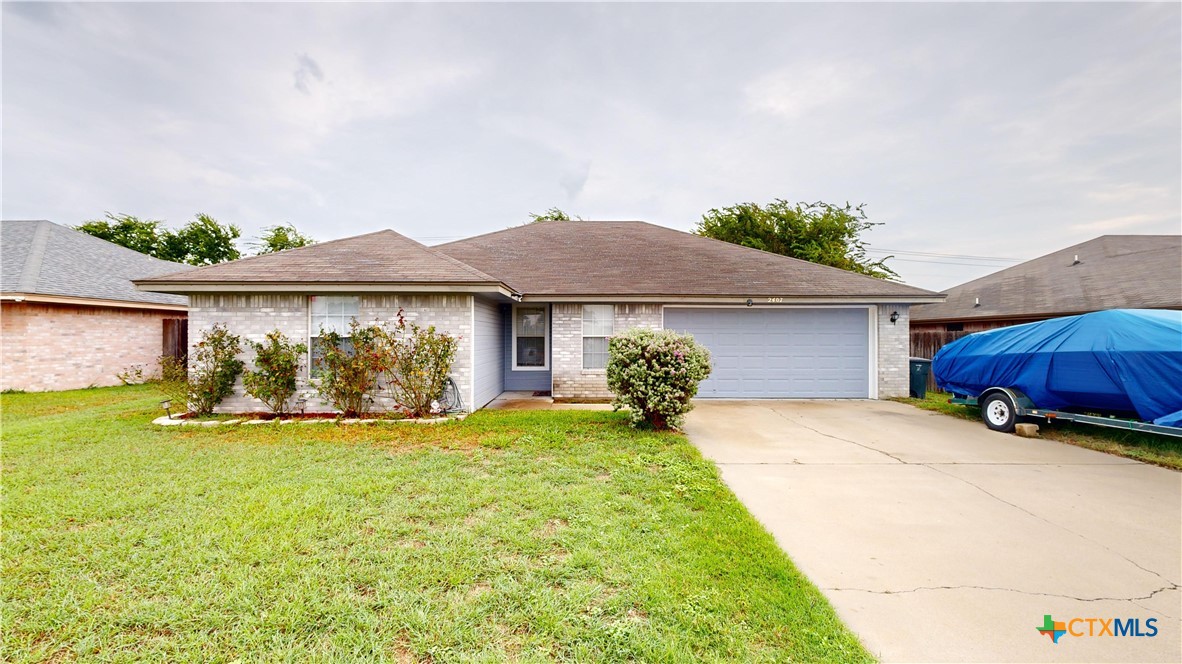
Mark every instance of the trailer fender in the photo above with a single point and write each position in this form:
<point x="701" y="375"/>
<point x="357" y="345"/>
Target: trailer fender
<point x="1020" y="400"/>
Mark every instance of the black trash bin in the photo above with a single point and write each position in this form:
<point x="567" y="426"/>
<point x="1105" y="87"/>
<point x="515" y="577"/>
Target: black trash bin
<point x="920" y="366"/>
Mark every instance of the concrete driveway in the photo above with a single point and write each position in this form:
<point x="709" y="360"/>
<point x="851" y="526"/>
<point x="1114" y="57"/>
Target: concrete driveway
<point x="937" y="539"/>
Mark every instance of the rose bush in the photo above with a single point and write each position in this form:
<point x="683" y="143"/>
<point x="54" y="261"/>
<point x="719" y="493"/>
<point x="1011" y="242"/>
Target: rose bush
<point x="348" y="368"/>
<point x="277" y="366"/>
<point x="210" y="378"/>
<point x="420" y="362"/>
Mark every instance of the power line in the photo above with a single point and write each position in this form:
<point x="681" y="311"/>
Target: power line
<point x="936" y="255"/>
<point x="921" y="260"/>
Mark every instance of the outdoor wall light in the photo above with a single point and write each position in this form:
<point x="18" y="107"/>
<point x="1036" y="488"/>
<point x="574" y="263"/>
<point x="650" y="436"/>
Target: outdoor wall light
<point x="894" y="317"/>
<point x="167" y="406"/>
<point x="750" y="302"/>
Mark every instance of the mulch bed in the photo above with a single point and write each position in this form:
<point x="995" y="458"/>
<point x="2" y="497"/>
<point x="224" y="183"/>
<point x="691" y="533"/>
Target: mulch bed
<point x="299" y="416"/>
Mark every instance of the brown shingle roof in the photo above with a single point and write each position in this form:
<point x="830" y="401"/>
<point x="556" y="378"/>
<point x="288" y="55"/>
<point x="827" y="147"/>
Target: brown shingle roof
<point x="1114" y="272"/>
<point x="384" y="257"/>
<point x="596" y="258"/>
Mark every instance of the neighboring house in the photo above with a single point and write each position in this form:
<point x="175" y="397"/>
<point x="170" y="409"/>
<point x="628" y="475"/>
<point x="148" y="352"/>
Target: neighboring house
<point x="70" y="315"/>
<point x="1109" y="272"/>
<point x="534" y="305"/>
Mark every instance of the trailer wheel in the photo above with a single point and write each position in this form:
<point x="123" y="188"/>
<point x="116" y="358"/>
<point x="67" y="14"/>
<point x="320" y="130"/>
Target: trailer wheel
<point x="999" y="412"/>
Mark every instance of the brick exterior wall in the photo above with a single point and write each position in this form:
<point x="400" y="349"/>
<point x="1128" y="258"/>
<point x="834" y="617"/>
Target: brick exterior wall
<point x="570" y="380"/>
<point x="64" y="346"/>
<point x="894" y="344"/>
<point x="252" y="316"/>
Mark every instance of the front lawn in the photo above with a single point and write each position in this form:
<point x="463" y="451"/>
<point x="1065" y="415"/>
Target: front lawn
<point x="1150" y="448"/>
<point x="510" y="535"/>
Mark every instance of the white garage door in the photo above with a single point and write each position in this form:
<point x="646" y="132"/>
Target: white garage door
<point x="781" y="353"/>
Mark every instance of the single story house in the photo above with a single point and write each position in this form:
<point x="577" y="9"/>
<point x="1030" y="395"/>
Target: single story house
<point x="1109" y="272"/>
<point x="534" y="305"/>
<point x="69" y="313"/>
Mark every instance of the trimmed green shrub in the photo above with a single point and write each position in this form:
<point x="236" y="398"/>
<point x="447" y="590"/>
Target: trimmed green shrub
<point x="654" y="374"/>
<point x="277" y="366"/>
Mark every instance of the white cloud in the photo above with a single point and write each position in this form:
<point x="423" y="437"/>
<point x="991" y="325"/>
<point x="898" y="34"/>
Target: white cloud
<point x="999" y="130"/>
<point x="805" y="87"/>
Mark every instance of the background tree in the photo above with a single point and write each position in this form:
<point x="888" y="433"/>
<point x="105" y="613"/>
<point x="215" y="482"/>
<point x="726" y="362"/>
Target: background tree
<point x="280" y="238"/>
<point x="817" y="232"/>
<point x="141" y="235"/>
<point x="553" y="214"/>
<point x="202" y="241"/>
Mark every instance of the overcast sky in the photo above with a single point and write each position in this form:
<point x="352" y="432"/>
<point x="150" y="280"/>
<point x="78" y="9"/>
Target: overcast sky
<point x="1002" y="131"/>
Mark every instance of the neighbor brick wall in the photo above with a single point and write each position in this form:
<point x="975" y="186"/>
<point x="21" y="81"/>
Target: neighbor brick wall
<point x="64" y="346"/>
<point x="894" y="343"/>
<point x="570" y="380"/>
<point x="252" y="316"/>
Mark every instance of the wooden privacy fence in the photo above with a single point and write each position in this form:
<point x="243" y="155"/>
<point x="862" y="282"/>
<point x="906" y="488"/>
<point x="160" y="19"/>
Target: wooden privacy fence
<point x="925" y="343"/>
<point x="176" y="338"/>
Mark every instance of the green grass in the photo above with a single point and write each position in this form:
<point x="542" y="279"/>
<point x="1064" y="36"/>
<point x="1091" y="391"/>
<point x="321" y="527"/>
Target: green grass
<point x="530" y="536"/>
<point x="1159" y="450"/>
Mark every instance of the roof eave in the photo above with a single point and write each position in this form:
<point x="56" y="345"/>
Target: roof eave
<point x="735" y="299"/>
<point x="1026" y="315"/>
<point x="90" y="302"/>
<point x="182" y="287"/>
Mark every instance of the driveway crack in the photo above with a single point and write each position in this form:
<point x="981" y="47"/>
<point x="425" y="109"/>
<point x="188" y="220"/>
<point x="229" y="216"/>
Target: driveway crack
<point x="1056" y="525"/>
<point x="844" y="440"/>
<point x="1172" y="586"/>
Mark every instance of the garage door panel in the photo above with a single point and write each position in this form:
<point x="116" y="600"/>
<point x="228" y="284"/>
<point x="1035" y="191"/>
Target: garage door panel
<point x="780" y="353"/>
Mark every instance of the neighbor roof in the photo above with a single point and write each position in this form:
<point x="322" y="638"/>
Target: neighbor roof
<point x="1113" y="272"/>
<point x="41" y="258"/>
<point x="381" y="258"/>
<point x="634" y="258"/>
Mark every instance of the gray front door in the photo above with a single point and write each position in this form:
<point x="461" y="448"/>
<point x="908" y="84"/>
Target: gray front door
<point x="781" y="353"/>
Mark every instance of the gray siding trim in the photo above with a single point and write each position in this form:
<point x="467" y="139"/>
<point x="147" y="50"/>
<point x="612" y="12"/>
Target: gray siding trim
<point x="487" y="340"/>
<point x="522" y="381"/>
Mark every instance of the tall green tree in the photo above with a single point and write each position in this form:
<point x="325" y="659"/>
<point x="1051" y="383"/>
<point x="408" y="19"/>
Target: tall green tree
<point x="280" y="238"/>
<point x="141" y="235"/>
<point x="202" y="241"/>
<point x="818" y="232"/>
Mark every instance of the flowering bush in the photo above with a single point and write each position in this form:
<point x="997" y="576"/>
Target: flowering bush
<point x="348" y="369"/>
<point x="420" y="362"/>
<point x="654" y="374"/>
<point x="277" y="365"/>
<point x="215" y="367"/>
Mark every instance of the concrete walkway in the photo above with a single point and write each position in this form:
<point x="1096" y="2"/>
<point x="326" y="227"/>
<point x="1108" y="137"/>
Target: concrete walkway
<point x="939" y="540"/>
<point x="527" y="401"/>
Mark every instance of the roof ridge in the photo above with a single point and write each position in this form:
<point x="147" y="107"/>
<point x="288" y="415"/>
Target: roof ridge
<point x="31" y="272"/>
<point x="1066" y="250"/>
<point x="195" y="268"/>
<point x="530" y="224"/>
<point x="453" y="259"/>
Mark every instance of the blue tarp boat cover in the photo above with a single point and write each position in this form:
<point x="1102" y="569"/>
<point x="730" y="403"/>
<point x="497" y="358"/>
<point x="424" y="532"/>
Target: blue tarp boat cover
<point x="1117" y="361"/>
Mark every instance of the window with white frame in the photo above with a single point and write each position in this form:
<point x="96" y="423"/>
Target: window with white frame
<point x="330" y="313"/>
<point x="598" y="325"/>
<point x="530" y="336"/>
